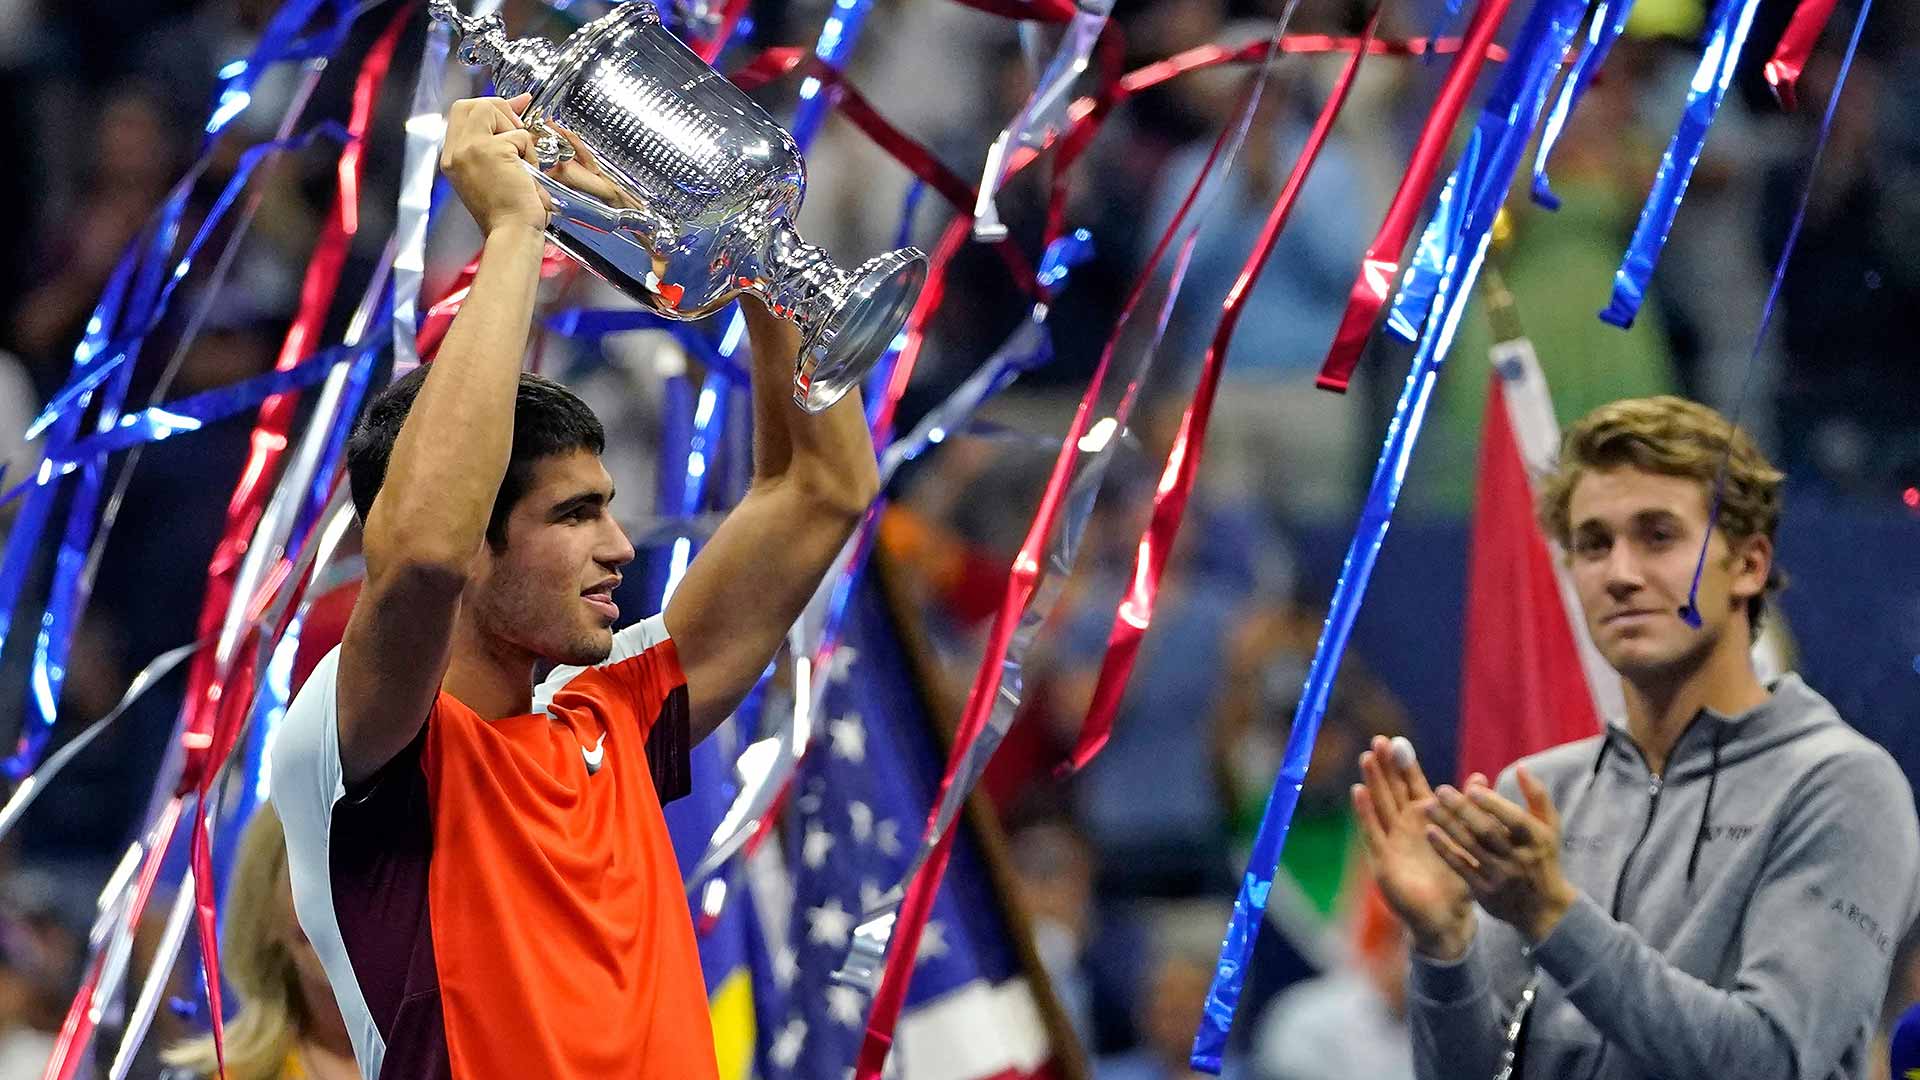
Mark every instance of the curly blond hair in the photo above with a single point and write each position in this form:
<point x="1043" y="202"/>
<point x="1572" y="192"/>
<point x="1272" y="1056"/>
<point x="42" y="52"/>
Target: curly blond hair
<point x="1673" y="437"/>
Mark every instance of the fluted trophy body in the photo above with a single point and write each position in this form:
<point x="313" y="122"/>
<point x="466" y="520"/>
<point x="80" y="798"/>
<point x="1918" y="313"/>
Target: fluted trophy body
<point x="692" y="190"/>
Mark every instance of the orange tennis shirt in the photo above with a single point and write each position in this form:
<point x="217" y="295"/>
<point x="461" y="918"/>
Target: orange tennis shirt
<point x="502" y="899"/>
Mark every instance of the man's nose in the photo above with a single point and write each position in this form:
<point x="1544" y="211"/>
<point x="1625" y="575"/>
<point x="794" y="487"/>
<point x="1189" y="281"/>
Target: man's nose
<point x="1623" y="576"/>
<point x="620" y="552"/>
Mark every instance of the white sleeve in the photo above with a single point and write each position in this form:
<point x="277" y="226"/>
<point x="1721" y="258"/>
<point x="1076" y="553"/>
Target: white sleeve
<point x="304" y="774"/>
<point x="305" y="781"/>
<point x="627" y="644"/>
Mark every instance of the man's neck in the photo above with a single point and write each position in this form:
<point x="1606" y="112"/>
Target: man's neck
<point x="1659" y="710"/>
<point x="487" y="675"/>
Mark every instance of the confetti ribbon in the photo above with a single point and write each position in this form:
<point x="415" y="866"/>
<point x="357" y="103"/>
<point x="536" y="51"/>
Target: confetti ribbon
<point x="31" y="788"/>
<point x="419" y="165"/>
<point x="1071" y="491"/>
<point x="1691" y="612"/>
<point x="1135" y="613"/>
<point x="1038" y="121"/>
<point x="122" y="901"/>
<point x="1464" y="222"/>
<point x="216" y="713"/>
<point x="1796" y="45"/>
<point x="1609" y="21"/>
<point x="1382" y="261"/>
<point x="125" y="349"/>
<point x="723" y="30"/>
<point x="766" y="766"/>
<point x="160" y="422"/>
<point x="1731" y="21"/>
<point x="67" y="594"/>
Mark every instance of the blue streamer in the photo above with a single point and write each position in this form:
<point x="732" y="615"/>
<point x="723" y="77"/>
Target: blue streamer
<point x="873" y="391"/>
<point x="24" y="540"/>
<point x="160" y="422"/>
<point x="1510" y="112"/>
<point x="1609" y="22"/>
<point x="1421" y="281"/>
<point x="67" y="594"/>
<point x="589" y="325"/>
<point x="126" y="348"/>
<point x="1731" y="21"/>
<point x="1691" y="612"/>
<point x="359" y="380"/>
<point x="1466" y="224"/>
<point x="278" y="41"/>
<point x="837" y="36"/>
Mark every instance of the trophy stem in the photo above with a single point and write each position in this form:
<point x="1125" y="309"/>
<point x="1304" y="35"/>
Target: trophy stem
<point x="846" y="319"/>
<point x="802" y="285"/>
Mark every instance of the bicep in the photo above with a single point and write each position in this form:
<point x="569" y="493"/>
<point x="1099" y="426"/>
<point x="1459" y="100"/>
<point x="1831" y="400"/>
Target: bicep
<point x="392" y="659"/>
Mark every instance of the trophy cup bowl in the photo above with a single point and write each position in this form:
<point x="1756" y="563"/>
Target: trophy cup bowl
<point x="693" y="189"/>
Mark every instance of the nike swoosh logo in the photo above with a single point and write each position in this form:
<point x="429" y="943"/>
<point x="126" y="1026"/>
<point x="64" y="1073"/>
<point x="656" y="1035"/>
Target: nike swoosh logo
<point x="596" y="756"/>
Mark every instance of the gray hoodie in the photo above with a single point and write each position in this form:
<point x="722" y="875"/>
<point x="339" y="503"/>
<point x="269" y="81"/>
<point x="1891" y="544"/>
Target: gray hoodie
<point x="1737" y="916"/>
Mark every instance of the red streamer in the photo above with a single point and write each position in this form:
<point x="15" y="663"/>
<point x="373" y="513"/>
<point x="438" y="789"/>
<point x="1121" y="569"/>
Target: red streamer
<point x="1382" y="262"/>
<point x="1135" y="612"/>
<point x="1052" y="11"/>
<point x="76" y="1031"/>
<point x="1796" y="45"/>
<point x="218" y="701"/>
<point x="1022" y="582"/>
<point x="710" y="49"/>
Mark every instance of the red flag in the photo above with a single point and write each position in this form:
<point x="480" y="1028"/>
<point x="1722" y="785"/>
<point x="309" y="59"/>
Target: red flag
<point x="1530" y="677"/>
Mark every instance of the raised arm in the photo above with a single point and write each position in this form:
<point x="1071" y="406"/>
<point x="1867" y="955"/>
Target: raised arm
<point x="428" y="522"/>
<point x="813" y="477"/>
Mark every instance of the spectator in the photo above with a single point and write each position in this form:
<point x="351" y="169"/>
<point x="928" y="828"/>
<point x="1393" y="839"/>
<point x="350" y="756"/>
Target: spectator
<point x="1350" y="1022"/>
<point x="287" y="1027"/>
<point x="1172" y="998"/>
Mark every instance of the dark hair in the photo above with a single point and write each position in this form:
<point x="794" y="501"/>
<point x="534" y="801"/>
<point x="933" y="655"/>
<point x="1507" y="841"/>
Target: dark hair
<point x="548" y="419"/>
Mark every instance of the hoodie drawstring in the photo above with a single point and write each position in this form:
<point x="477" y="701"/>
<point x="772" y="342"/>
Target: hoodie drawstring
<point x="1706" y="808"/>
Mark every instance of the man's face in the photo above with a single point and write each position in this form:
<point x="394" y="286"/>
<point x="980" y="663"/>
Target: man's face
<point x="1635" y="540"/>
<point x="550" y="591"/>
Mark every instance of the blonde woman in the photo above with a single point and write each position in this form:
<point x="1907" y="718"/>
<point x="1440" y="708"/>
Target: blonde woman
<point x="287" y="1026"/>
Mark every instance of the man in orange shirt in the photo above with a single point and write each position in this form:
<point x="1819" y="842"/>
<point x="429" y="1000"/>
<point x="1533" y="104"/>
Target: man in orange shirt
<point x="481" y="863"/>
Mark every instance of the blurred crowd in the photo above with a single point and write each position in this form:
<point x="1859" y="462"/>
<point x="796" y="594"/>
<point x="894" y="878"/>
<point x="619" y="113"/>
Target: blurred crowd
<point x="1129" y="867"/>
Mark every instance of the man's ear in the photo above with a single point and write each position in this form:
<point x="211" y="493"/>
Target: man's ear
<point x="1751" y="559"/>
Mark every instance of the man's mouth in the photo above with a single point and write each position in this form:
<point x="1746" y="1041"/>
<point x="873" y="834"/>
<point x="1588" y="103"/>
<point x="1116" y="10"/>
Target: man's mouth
<point x="1628" y="616"/>
<point x="601" y="597"/>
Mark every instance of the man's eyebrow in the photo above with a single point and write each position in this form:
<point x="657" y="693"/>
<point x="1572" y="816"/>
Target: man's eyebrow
<point x="583" y="499"/>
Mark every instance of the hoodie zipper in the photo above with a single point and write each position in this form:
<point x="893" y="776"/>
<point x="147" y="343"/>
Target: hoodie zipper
<point x="1654" y="786"/>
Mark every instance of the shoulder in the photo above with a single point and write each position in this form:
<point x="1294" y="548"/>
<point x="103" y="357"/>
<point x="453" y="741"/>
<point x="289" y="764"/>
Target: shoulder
<point x="1838" y="766"/>
<point x="1557" y="767"/>
<point x="643" y="657"/>
<point x="1824" y="752"/>
<point x="304" y="758"/>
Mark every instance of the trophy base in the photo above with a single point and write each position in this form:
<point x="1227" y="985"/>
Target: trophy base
<point x="838" y="353"/>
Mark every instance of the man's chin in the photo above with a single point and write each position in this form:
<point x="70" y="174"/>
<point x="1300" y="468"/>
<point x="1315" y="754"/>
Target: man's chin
<point x="591" y="649"/>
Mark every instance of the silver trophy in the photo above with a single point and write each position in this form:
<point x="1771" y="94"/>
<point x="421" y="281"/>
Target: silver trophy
<point x="689" y="189"/>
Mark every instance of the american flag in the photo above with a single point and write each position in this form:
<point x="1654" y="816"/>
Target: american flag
<point x="860" y="801"/>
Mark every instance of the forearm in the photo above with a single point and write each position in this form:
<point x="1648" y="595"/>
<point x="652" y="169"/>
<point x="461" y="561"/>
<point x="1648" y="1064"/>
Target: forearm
<point x="452" y="451"/>
<point x="813" y="478"/>
<point x="1675" y="1024"/>
<point x="1453" y="1017"/>
<point x="828" y="456"/>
